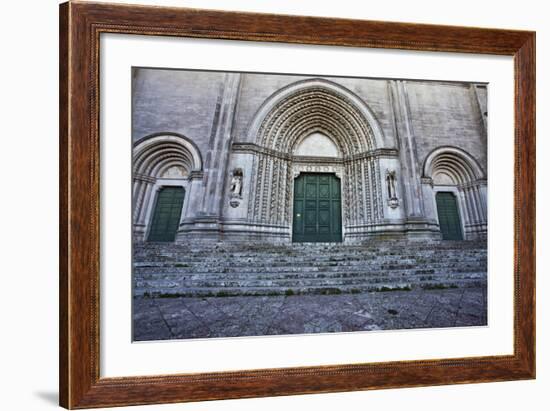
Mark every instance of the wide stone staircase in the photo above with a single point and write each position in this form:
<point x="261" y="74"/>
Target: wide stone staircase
<point x="225" y="269"/>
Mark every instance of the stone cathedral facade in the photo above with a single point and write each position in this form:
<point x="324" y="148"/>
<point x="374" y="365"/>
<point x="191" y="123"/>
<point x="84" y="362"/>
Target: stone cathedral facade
<point x="283" y="158"/>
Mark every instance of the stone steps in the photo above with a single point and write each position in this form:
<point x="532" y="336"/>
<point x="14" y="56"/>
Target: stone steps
<point x="309" y="258"/>
<point x="214" y="266"/>
<point x="278" y="259"/>
<point x="142" y="251"/>
<point x="309" y="274"/>
<point x="297" y="289"/>
<point x="290" y="282"/>
<point x="292" y="252"/>
<point x="229" y="269"/>
<point x="297" y="271"/>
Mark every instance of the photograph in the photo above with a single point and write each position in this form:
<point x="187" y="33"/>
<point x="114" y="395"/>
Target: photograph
<point x="271" y="204"/>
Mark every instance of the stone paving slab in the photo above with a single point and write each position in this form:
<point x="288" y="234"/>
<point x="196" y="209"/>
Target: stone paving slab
<point x="212" y="317"/>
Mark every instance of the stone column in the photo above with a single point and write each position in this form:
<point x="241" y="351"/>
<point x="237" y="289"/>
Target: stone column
<point x="428" y="194"/>
<point x="416" y="221"/>
<point x="482" y="192"/>
<point x="217" y="157"/>
<point x="195" y="196"/>
<point x="407" y="152"/>
<point x="141" y="200"/>
<point x="476" y="99"/>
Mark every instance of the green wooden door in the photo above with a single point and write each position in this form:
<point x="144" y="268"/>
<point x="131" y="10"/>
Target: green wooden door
<point x="449" y="220"/>
<point x="167" y="214"/>
<point x="317" y="208"/>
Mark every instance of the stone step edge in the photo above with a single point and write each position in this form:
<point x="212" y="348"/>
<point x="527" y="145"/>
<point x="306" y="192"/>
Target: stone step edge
<point x="268" y="282"/>
<point x="305" y="273"/>
<point x="304" y="264"/>
<point x="281" y="291"/>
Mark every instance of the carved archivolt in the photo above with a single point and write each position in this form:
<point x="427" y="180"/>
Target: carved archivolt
<point x="454" y="164"/>
<point x="315" y="106"/>
<point x="156" y="154"/>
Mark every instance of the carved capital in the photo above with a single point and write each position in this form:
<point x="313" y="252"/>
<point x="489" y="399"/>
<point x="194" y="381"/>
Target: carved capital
<point x="427" y="180"/>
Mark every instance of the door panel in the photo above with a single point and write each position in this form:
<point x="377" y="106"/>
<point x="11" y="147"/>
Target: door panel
<point x="317" y="209"/>
<point x="167" y="214"/>
<point x="449" y="219"/>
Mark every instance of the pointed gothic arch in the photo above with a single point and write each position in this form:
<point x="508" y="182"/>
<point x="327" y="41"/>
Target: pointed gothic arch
<point x="295" y="112"/>
<point x="320" y="104"/>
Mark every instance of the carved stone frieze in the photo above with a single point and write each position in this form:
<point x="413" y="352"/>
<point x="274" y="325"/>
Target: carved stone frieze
<point x="298" y="168"/>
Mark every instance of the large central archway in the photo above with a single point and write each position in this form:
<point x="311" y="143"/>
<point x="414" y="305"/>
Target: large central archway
<point x="290" y="116"/>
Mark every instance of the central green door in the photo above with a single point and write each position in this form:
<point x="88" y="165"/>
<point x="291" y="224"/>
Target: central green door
<point x="317" y="209"/>
<point x="449" y="220"/>
<point x="167" y="214"/>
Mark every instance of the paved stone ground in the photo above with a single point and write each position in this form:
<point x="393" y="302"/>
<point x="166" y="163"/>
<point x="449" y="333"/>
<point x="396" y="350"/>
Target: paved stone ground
<point x="207" y="317"/>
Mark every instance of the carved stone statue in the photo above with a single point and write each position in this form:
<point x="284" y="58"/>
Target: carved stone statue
<point x="236" y="187"/>
<point x="393" y="201"/>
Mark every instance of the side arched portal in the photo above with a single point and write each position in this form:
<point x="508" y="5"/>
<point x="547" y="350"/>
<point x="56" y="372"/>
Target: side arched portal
<point x="451" y="170"/>
<point x="162" y="163"/>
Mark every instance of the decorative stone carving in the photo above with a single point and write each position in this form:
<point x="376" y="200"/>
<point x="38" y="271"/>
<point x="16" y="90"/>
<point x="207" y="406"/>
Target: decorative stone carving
<point x="298" y="168"/>
<point x="236" y="188"/>
<point x="284" y="124"/>
<point x="393" y="201"/>
<point x="316" y="110"/>
<point x="427" y="180"/>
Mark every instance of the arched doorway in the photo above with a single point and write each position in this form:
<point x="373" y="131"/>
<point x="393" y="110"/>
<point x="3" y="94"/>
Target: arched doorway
<point x="163" y="172"/>
<point x="457" y="186"/>
<point x="316" y="126"/>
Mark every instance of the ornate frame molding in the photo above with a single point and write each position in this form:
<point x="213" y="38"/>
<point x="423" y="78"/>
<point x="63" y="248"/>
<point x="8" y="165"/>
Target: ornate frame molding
<point x="80" y="27"/>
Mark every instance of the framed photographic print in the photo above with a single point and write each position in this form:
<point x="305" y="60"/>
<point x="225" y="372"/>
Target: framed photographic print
<point x="257" y="205"/>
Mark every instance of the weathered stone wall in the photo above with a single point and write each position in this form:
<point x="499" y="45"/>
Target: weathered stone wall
<point x="446" y="114"/>
<point x="215" y="110"/>
<point x="176" y="101"/>
<point x="184" y="102"/>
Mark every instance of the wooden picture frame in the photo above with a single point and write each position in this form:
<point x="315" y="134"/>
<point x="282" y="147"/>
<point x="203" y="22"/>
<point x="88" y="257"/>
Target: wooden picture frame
<point x="80" y="27"/>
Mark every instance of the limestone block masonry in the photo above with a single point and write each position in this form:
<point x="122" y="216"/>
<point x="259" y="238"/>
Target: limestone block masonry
<point x="237" y="142"/>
